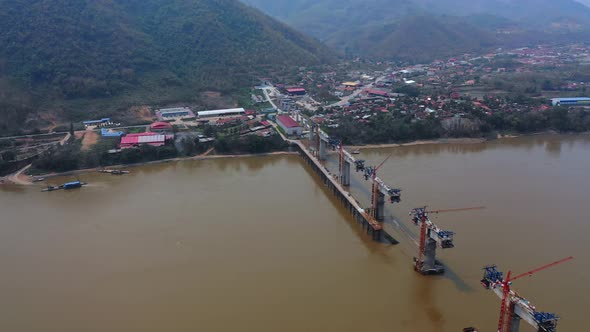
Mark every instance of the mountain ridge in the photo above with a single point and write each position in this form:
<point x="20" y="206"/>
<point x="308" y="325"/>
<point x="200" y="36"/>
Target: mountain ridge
<point x="348" y="26"/>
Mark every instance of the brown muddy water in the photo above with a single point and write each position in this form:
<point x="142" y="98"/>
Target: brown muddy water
<point x="258" y="244"/>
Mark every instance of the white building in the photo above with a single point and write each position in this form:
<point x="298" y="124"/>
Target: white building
<point x="290" y="126"/>
<point x="219" y="113"/>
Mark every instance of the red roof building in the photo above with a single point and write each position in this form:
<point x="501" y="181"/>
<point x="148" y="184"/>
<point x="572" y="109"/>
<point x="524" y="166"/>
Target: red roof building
<point x="160" y="126"/>
<point x="134" y="141"/>
<point x="290" y="126"/>
<point x="377" y="93"/>
<point x="296" y="91"/>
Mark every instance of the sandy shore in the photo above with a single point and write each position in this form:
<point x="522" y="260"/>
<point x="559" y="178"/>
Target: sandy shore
<point x="26" y="180"/>
<point x="420" y="142"/>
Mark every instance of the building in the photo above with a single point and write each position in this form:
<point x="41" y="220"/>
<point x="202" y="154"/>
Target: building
<point x="574" y="101"/>
<point x="290" y="126"/>
<point x="160" y="126"/>
<point x="351" y="84"/>
<point x="174" y="113"/>
<point x="220" y="113"/>
<point x="377" y="93"/>
<point x="296" y="91"/>
<point x="110" y="133"/>
<point x="96" y="122"/>
<point x="135" y="140"/>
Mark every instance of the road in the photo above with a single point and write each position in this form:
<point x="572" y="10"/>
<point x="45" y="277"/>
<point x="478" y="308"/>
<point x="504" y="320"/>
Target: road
<point x="267" y="95"/>
<point x="16" y="177"/>
<point x="356" y="92"/>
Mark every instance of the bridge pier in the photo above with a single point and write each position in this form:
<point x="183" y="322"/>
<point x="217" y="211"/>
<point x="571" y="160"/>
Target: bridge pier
<point x="323" y="153"/>
<point x="429" y="263"/>
<point x="515" y="322"/>
<point x="345" y="176"/>
<point x="380" y="210"/>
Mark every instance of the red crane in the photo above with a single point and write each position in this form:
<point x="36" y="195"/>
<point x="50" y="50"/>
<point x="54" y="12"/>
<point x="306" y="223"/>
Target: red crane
<point x="507" y="309"/>
<point x="421" y="215"/>
<point x="375" y="189"/>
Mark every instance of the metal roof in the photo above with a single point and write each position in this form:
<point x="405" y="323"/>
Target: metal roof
<point x="221" y="112"/>
<point x="572" y="99"/>
<point x="287" y="121"/>
<point x="143" y="139"/>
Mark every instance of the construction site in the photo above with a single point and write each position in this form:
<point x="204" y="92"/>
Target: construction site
<point x="316" y="149"/>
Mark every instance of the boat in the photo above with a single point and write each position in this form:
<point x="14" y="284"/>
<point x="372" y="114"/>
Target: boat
<point x="119" y="172"/>
<point x="72" y="185"/>
<point x="113" y="171"/>
<point x="356" y="152"/>
<point x="38" y="179"/>
<point x="51" y="188"/>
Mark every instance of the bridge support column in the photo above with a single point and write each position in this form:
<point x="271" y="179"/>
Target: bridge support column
<point x="429" y="263"/>
<point x="515" y="323"/>
<point x="345" y="176"/>
<point x="429" y="255"/>
<point x="322" y="155"/>
<point x="380" y="210"/>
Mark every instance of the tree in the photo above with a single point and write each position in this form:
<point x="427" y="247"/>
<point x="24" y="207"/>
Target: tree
<point x="9" y="155"/>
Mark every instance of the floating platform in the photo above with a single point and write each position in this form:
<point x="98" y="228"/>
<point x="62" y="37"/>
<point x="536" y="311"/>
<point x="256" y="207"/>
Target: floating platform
<point x="113" y="171"/>
<point x="66" y="186"/>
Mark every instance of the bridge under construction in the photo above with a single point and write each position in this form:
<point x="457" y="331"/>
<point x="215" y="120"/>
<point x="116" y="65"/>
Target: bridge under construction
<point x="514" y="308"/>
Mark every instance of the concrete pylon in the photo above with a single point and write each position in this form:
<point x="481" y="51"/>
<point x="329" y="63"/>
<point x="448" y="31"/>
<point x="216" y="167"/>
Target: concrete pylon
<point x="380" y="215"/>
<point x="323" y="154"/>
<point x="429" y="255"/>
<point x="515" y="323"/>
<point x="345" y="176"/>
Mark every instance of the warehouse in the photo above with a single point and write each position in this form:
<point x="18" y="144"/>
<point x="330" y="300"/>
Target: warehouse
<point x="577" y="101"/>
<point x="220" y="113"/>
<point x="135" y="140"/>
<point x="290" y="126"/>
<point x="174" y="113"/>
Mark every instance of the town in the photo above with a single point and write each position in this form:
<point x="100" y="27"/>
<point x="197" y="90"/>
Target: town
<point x="507" y="92"/>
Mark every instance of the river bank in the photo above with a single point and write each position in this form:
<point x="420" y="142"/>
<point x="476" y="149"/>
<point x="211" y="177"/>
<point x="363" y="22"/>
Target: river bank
<point x="20" y="179"/>
<point x="419" y="142"/>
<point x="464" y="140"/>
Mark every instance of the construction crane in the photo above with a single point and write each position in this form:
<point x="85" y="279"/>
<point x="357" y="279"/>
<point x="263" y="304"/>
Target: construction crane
<point x="431" y="236"/>
<point x="514" y="307"/>
<point x="375" y="190"/>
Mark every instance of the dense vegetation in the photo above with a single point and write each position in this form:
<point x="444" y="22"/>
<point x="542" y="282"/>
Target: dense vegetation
<point x="86" y="55"/>
<point x="70" y="157"/>
<point x="390" y="128"/>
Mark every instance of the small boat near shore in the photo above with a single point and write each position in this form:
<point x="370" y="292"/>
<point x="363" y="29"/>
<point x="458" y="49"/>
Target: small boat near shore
<point x="66" y="186"/>
<point x="356" y="152"/>
<point x="51" y="188"/>
<point x="113" y="171"/>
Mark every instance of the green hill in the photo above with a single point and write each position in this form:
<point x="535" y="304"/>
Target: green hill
<point x="424" y="29"/>
<point x="89" y="55"/>
<point x="416" y="39"/>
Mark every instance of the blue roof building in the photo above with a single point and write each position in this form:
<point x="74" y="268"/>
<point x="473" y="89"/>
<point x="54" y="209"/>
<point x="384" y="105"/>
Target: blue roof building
<point x="573" y="101"/>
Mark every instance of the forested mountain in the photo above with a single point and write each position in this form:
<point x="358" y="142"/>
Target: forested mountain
<point x="57" y="54"/>
<point x="393" y="28"/>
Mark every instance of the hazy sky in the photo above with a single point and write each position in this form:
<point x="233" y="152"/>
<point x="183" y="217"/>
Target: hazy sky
<point x="586" y="2"/>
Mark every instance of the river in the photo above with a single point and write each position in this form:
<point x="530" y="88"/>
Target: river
<point x="258" y="244"/>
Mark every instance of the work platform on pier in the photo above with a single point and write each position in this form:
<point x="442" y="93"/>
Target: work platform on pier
<point x="372" y="226"/>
